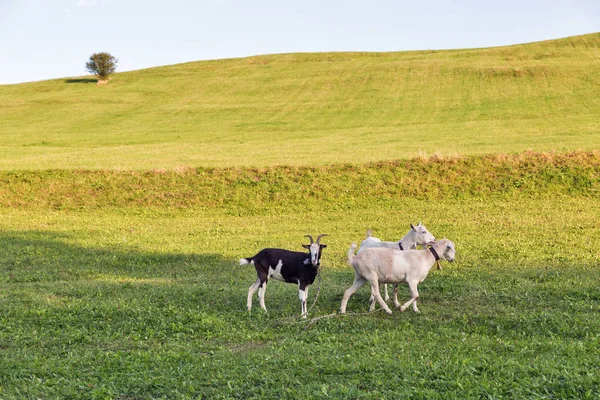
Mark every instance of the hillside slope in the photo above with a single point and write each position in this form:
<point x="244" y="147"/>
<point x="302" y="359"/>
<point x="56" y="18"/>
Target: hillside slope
<point x="303" y="109"/>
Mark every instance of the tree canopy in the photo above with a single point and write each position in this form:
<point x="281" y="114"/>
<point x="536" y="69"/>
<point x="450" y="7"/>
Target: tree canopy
<point x="102" y="65"/>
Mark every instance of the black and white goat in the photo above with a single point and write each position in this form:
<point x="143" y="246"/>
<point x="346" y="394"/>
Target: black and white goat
<point x="286" y="266"/>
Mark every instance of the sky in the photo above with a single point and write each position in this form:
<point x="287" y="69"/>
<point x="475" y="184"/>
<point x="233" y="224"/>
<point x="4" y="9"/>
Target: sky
<point x="48" y="39"/>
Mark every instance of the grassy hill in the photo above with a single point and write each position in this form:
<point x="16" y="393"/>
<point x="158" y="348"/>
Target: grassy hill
<point x="307" y="109"/>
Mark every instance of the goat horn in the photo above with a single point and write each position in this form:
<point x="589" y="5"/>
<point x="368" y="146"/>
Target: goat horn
<point x="320" y="236"/>
<point x="311" y="239"/>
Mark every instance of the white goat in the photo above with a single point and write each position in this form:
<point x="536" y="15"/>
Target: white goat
<point x="417" y="235"/>
<point x="385" y="265"/>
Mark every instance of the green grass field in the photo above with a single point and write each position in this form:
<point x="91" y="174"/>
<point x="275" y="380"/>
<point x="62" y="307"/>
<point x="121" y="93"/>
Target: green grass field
<point x="125" y="209"/>
<point x="308" y="109"/>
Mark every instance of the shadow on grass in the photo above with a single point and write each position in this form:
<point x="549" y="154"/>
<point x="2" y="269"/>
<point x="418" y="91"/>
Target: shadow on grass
<point x="81" y="80"/>
<point x="54" y="263"/>
<point x="36" y="256"/>
<point x="124" y="273"/>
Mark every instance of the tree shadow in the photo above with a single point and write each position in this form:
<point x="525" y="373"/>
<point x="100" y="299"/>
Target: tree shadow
<point x="53" y="263"/>
<point x="81" y="80"/>
<point x="39" y="256"/>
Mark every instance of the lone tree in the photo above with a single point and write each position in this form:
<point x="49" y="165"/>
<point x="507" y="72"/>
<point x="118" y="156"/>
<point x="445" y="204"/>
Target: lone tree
<point x="101" y="65"/>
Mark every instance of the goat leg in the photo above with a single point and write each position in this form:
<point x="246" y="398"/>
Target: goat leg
<point x="261" y="295"/>
<point x="359" y="281"/>
<point x="375" y="292"/>
<point x="303" y="294"/>
<point x="414" y="293"/>
<point x="251" y="292"/>
<point x="396" y="302"/>
<point x="385" y="291"/>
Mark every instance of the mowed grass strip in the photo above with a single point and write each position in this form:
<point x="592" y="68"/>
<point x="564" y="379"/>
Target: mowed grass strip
<point x="310" y="109"/>
<point x="254" y="190"/>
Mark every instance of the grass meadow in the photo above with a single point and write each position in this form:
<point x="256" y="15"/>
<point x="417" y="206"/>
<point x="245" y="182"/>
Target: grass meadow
<point x="130" y="298"/>
<point x="124" y="210"/>
<point x="310" y="109"/>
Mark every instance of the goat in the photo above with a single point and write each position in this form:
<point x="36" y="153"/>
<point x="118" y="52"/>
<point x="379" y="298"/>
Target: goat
<point x="385" y="265"/>
<point x="286" y="266"/>
<point x="417" y="235"/>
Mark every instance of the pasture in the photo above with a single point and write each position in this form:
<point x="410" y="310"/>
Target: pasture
<point x="125" y="209"/>
<point x="136" y="298"/>
<point x="310" y="109"/>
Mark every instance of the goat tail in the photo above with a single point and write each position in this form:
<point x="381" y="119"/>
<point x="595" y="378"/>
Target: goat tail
<point x="351" y="250"/>
<point x="369" y="233"/>
<point x="245" y="261"/>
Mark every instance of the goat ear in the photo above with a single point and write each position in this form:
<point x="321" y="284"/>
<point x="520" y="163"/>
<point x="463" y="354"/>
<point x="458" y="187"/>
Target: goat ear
<point x="412" y="227"/>
<point x="306" y="246"/>
<point x="323" y="246"/>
